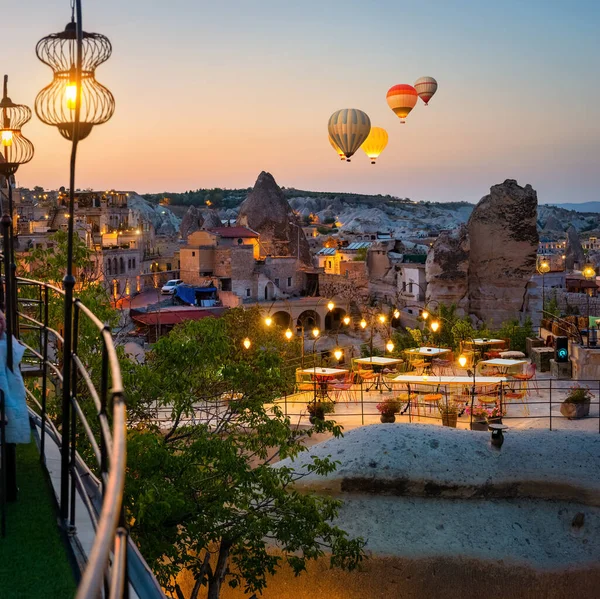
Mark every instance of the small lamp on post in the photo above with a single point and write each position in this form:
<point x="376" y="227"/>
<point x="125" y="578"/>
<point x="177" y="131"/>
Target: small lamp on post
<point x="589" y="272"/>
<point x="543" y="267"/>
<point x="73" y="102"/>
<point x="15" y="151"/>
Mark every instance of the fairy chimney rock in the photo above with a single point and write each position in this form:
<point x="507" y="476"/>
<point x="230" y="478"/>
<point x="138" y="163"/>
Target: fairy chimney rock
<point x="267" y="212"/>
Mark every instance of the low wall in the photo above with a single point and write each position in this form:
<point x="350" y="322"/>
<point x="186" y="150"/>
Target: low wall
<point x="585" y="362"/>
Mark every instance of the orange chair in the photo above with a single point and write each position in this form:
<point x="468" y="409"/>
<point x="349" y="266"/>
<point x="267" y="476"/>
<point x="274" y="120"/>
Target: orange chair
<point x="528" y="375"/>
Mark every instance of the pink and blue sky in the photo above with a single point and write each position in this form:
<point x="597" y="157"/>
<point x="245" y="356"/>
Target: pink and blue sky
<point x="211" y="93"/>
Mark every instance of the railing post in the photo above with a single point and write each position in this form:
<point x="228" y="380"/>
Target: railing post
<point x="69" y="284"/>
<point x="44" y="377"/>
<point x="73" y="456"/>
<point x="362" y="404"/>
<point x="103" y="400"/>
<point x="550" y="403"/>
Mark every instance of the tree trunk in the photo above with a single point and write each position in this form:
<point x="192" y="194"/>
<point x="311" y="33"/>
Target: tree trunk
<point x="216" y="581"/>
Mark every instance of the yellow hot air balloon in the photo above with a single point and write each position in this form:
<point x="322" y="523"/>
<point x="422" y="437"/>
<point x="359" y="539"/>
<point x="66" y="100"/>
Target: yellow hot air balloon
<point x="336" y="148"/>
<point x="375" y="143"/>
<point x="349" y="128"/>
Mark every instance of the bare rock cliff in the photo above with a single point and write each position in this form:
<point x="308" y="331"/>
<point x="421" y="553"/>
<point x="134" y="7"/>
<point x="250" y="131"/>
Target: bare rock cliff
<point x="484" y="269"/>
<point x="267" y="212"/>
<point x="504" y="241"/>
<point x="447" y="268"/>
<point x="191" y="222"/>
<point x="575" y="258"/>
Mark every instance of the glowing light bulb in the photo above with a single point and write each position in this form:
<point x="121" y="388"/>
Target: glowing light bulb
<point x="71" y="96"/>
<point x="330" y="306"/>
<point x="268" y="321"/>
<point x="289" y="334"/>
<point x="315" y="332"/>
<point x="381" y="318"/>
<point x="435" y="325"/>
<point x="389" y="346"/>
<point x="346" y="320"/>
<point x="7" y="138"/>
<point x="396" y="314"/>
<point x="247" y="343"/>
<point x="363" y="324"/>
<point x="338" y="353"/>
<point x="424" y="315"/>
<point x="462" y="360"/>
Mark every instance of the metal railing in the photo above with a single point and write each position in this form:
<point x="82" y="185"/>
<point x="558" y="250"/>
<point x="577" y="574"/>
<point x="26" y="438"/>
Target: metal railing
<point x="106" y="570"/>
<point x="535" y="404"/>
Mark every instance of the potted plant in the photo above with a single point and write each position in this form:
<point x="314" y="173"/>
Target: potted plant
<point x="449" y="413"/>
<point x="318" y="409"/>
<point x="388" y="409"/>
<point x="479" y="421"/>
<point x="577" y="403"/>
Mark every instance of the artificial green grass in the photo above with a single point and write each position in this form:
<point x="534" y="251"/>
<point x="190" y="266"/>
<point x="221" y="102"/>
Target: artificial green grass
<point x="33" y="559"/>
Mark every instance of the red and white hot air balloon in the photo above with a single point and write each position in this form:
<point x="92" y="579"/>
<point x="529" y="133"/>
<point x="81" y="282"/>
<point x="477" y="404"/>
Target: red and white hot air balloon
<point x="426" y="88"/>
<point x="402" y="99"/>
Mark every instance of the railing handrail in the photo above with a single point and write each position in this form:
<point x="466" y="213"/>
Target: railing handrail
<point x="109" y="549"/>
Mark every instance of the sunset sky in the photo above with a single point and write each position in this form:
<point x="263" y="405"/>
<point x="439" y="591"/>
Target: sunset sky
<point x="211" y="93"/>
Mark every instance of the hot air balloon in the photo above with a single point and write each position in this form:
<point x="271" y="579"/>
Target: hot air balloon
<point x="402" y="99"/>
<point x="349" y="128"/>
<point x="426" y="87"/>
<point x="375" y="143"/>
<point x="336" y="148"/>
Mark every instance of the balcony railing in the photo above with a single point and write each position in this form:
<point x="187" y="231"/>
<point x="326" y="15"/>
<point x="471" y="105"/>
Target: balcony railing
<point x="93" y="448"/>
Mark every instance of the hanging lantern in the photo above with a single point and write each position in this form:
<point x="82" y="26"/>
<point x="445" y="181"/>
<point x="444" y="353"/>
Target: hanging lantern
<point x="14" y="148"/>
<point x="56" y="103"/>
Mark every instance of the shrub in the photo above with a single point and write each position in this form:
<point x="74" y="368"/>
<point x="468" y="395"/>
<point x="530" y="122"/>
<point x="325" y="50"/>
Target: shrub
<point x="389" y="406"/>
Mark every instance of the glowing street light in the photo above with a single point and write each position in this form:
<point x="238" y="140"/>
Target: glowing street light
<point x="268" y="321"/>
<point x="315" y="332"/>
<point x="382" y="318"/>
<point x="289" y="334"/>
<point x="330" y="306"/>
<point x="247" y="343"/>
<point x="424" y="315"/>
<point x="462" y="360"/>
<point x="389" y="346"/>
<point x="396" y="314"/>
<point x="435" y="325"/>
<point x="363" y="324"/>
<point x="346" y="320"/>
<point x="338" y="353"/>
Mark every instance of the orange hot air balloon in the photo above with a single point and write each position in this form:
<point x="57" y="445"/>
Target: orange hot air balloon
<point x="402" y="99"/>
<point x="337" y="149"/>
<point x="426" y="88"/>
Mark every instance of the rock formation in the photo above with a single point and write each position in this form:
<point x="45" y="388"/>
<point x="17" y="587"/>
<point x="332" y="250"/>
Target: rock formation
<point x="191" y="222"/>
<point x="446" y="269"/>
<point x="485" y="269"/>
<point x="575" y="258"/>
<point x="552" y="224"/>
<point x="504" y="241"/>
<point x="267" y="212"/>
<point x="211" y="219"/>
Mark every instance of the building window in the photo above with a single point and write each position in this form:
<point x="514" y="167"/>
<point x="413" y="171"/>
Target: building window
<point x="168" y="266"/>
<point x="226" y="285"/>
<point x="133" y="262"/>
<point x="328" y="263"/>
<point x="410" y="287"/>
<point x="122" y="261"/>
<point x="289" y="281"/>
<point x="247" y="292"/>
<point x="193" y="254"/>
<point x="403" y="286"/>
<point x="108" y="267"/>
<point x="128" y="262"/>
<point x="277" y="282"/>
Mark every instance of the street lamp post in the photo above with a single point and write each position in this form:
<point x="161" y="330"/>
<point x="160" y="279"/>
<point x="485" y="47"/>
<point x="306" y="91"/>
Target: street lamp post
<point x="16" y="150"/>
<point x="543" y="267"/>
<point x="73" y="102"/>
<point x="589" y="272"/>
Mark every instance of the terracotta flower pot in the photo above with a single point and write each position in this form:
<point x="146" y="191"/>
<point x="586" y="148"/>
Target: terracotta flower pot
<point x="479" y="425"/>
<point x="575" y="410"/>
<point x="450" y="419"/>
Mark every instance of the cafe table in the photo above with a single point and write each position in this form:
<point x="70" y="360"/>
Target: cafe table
<point x="322" y="376"/>
<point x="502" y="364"/>
<point x="482" y="343"/>
<point x="378" y="363"/>
<point x="428" y="353"/>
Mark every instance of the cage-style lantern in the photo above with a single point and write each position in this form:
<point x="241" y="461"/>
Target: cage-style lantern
<point x="56" y="103"/>
<point x="15" y="148"/>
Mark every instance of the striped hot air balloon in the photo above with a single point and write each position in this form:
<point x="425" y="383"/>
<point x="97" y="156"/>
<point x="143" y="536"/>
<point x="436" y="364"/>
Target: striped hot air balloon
<point x="426" y="88"/>
<point x="349" y="128"/>
<point x="402" y="99"/>
<point x="337" y="149"/>
<point x="375" y="143"/>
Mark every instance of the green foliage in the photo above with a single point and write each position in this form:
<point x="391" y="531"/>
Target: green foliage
<point x="361" y="255"/>
<point x="462" y="330"/>
<point x="516" y="333"/>
<point x="579" y="394"/>
<point x="202" y="493"/>
<point x="406" y="339"/>
<point x="551" y="307"/>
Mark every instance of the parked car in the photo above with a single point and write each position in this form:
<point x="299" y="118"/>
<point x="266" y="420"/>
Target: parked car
<point x="169" y="287"/>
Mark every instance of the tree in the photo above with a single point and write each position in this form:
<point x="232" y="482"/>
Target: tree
<point x="203" y="494"/>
